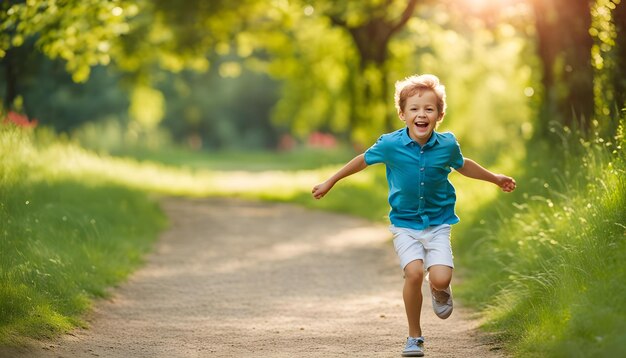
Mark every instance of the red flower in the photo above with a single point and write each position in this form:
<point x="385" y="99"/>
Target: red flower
<point x="20" y="120"/>
<point x="322" y="140"/>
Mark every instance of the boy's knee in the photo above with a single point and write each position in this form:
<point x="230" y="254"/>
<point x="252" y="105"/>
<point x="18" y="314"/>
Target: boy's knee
<point x="414" y="273"/>
<point x="439" y="283"/>
<point x="440" y="277"/>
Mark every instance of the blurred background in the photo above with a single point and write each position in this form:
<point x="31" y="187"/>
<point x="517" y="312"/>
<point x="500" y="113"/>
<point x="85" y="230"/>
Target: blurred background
<point x="108" y="105"/>
<point x="135" y="76"/>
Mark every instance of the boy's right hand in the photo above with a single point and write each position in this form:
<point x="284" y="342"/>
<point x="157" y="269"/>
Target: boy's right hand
<point x="321" y="189"/>
<point x="506" y="183"/>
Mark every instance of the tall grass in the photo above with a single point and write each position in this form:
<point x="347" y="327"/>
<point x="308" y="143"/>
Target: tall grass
<point x="64" y="239"/>
<point x="549" y="270"/>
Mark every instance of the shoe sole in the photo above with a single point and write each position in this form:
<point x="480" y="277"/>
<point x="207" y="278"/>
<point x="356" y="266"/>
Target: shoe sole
<point x="413" y="354"/>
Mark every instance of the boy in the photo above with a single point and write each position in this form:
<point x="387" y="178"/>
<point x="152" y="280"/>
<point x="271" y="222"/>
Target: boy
<point x="418" y="160"/>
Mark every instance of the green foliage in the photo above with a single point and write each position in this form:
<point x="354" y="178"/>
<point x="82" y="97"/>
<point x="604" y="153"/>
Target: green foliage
<point x="314" y="71"/>
<point x="605" y="60"/>
<point x="488" y="83"/>
<point x="192" y="106"/>
<point x="79" y="32"/>
<point x="112" y="137"/>
<point x="147" y="106"/>
<point x="219" y="111"/>
<point x="547" y="268"/>
<point x="320" y="81"/>
<point x="134" y="33"/>
<point x="328" y="82"/>
<point x="357" y="13"/>
<point x="50" y="95"/>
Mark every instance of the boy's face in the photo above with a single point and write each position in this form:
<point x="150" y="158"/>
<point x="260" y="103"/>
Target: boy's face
<point x="420" y="115"/>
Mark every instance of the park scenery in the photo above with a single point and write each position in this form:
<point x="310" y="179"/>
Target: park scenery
<point x="157" y="160"/>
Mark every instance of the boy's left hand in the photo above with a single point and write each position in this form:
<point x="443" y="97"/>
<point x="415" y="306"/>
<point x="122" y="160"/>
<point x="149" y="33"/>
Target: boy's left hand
<point x="506" y="183"/>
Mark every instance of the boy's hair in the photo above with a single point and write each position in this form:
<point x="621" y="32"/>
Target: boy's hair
<point x="415" y="84"/>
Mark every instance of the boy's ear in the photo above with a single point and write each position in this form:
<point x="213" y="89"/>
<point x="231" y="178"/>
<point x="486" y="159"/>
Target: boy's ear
<point x="401" y="115"/>
<point x="441" y="116"/>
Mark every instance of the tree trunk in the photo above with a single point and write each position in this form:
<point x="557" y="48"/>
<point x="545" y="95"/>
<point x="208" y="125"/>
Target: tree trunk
<point x="11" y="79"/>
<point x="564" y="47"/>
<point x="619" y="77"/>
<point x="371" y="40"/>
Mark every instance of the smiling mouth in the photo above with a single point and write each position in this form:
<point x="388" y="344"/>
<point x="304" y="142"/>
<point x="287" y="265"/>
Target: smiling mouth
<point x="421" y="124"/>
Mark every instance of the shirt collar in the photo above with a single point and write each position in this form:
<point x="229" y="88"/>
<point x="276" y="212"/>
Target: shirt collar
<point x="406" y="139"/>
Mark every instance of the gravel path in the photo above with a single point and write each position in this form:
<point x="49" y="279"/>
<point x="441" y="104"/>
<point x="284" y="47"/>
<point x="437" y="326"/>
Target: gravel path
<point x="237" y="278"/>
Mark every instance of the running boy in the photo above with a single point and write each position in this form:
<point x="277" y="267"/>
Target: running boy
<point x="418" y="160"/>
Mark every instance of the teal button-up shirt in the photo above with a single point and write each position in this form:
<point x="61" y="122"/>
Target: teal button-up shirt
<point x="420" y="194"/>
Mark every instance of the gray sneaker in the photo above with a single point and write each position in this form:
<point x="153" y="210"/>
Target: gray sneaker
<point x="414" y="347"/>
<point x="442" y="302"/>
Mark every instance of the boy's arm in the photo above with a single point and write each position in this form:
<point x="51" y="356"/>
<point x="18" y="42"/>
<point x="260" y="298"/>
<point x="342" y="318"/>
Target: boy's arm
<point x="472" y="169"/>
<point x="354" y="166"/>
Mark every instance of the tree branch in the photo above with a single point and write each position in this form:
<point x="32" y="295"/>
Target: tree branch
<point x="337" y="21"/>
<point x="404" y="18"/>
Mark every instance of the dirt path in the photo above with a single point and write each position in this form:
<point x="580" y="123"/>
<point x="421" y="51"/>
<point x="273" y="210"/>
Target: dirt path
<point x="235" y="278"/>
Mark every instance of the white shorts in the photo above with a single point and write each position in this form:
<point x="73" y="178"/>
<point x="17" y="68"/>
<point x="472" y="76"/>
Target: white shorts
<point x="431" y="245"/>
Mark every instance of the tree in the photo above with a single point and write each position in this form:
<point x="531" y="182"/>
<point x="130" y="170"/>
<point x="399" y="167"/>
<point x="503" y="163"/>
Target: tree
<point x="138" y="37"/>
<point x="78" y="31"/>
<point x="371" y="25"/>
<point x="564" y="47"/>
<point x="619" y="77"/>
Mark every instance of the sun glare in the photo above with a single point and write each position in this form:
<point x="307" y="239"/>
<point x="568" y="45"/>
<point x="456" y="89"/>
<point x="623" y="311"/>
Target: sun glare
<point x="487" y="9"/>
<point x="481" y="5"/>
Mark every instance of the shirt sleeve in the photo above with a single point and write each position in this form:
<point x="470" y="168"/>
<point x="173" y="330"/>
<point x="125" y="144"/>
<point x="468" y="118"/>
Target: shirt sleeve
<point x="376" y="153"/>
<point x="456" y="157"/>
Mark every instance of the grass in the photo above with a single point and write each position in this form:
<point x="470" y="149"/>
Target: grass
<point x="64" y="240"/>
<point x="544" y="264"/>
<point x="75" y="223"/>
<point x="249" y="161"/>
<point x="547" y="268"/>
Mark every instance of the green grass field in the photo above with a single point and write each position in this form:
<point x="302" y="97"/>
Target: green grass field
<point x="64" y="239"/>
<point x="544" y="264"/>
<point x="549" y="275"/>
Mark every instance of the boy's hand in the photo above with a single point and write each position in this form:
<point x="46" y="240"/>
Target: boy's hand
<point x="321" y="189"/>
<point x="506" y="183"/>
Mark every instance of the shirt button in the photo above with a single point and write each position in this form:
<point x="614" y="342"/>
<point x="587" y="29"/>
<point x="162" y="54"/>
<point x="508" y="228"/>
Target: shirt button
<point x="422" y="183"/>
<point x="422" y="168"/>
<point x="421" y="198"/>
<point x="422" y="151"/>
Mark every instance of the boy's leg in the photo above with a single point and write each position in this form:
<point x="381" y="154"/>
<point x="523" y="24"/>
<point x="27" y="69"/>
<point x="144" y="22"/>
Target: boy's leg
<point x="439" y="276"/>
<point x="412" y="295"/>
<point x="439" y="263"/>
